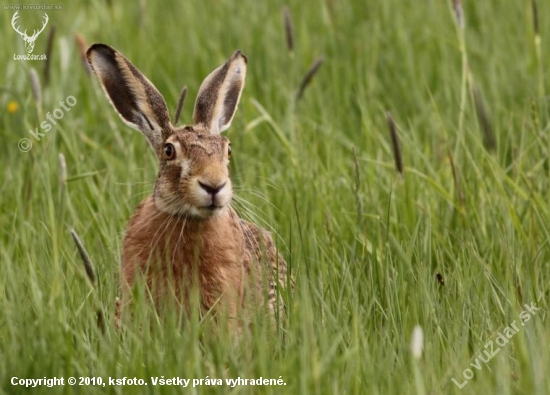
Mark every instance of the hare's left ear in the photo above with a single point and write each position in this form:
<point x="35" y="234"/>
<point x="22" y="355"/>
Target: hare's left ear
<point x="219" y="95"/>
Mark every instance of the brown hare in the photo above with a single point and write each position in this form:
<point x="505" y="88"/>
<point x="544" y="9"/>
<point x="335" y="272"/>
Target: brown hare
<point x="186" y="236"/>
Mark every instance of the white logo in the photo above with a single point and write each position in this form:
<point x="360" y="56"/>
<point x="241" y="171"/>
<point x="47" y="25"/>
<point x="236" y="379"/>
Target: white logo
<point x="29" y="41"/>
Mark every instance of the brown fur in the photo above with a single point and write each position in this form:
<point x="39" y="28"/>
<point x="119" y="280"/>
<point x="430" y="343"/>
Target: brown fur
<point x="168" y="249"/>
<point x="186" y="237"/>
<point x="223" y="253"/>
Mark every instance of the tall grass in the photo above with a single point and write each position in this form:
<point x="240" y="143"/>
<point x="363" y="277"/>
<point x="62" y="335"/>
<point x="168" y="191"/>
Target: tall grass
<point x="458" y="248"/>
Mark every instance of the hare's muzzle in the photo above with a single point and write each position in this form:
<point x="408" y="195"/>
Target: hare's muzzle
<point x="214" y="194"/>
<point x="210" y="189"/>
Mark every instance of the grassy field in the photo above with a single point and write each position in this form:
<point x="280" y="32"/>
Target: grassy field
<point x="458" y="244"/>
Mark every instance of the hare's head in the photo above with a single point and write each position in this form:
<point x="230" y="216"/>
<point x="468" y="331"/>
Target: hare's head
<point x="193" y="177"/>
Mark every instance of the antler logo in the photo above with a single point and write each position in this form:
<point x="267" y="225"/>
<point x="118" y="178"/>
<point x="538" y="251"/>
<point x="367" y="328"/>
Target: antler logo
<point x="29" y="41"/>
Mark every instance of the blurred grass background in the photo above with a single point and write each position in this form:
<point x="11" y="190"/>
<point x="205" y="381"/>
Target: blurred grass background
<point x="457" y="245"/>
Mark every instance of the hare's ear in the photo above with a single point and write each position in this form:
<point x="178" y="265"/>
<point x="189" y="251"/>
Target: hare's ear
<point x="220" y="93"/>
<point x="133" y="96"/>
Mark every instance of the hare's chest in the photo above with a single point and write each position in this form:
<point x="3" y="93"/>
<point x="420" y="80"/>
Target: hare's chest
<point x="179" y="259"/>
<point x="183" y="272"/>
<point x="215" y="271"/>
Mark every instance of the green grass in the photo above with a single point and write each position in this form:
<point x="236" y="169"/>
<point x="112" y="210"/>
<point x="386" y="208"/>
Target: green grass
<point x="364" y="245"/>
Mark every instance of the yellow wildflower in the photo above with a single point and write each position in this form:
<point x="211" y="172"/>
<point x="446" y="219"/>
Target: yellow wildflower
<point x="12" y="107"/>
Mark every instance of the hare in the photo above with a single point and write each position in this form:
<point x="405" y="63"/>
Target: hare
<point x="186" y="236"/>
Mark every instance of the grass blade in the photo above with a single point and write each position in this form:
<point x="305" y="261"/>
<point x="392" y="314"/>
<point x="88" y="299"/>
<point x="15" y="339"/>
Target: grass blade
<point x="458" y="188"/>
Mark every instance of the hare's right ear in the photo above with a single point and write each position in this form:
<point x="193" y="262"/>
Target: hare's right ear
<point x="133" y="96"/>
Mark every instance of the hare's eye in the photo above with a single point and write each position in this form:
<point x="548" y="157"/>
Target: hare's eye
<point x="169" y="151"/>
<point x="229" y="150"/>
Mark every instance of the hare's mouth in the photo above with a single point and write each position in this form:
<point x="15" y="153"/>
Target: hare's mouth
<point x="213" y="207"/>
<point x="208" y="211"/>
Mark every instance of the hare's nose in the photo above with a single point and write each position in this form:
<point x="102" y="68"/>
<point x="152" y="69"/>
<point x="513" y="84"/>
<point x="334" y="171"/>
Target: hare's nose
<point x="211" y="189"/>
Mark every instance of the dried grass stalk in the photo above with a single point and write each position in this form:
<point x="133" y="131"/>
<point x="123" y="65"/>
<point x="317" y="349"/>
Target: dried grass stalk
<point x="459" y="13"/>
<point x="396" y="144"/>
<point x="35" y="86"/>
<point x="179" y="107"/>
<point x="289" y="28"/>
<point x="85" y="258"/>
<point x="49" y="48"/>
<point x="535" y="8"/>
<point x="308" y="77"/>
<point x="82" y="48"/>
<point x="489" y="140"/>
